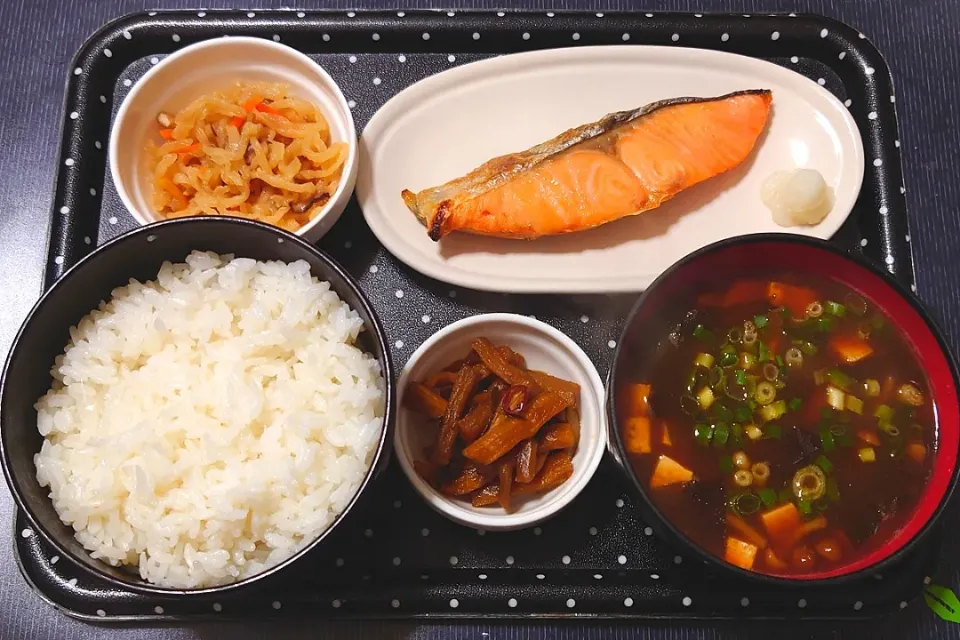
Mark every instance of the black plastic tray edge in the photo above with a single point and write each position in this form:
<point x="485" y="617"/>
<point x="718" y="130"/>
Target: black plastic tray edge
<point x="94" y="44"/>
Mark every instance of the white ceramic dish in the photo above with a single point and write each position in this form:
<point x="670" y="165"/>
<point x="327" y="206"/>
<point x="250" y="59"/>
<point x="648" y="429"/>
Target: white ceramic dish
<point x="208" y="66"/>
<point x="447" y="124"/>
<point x="544" y="348"/>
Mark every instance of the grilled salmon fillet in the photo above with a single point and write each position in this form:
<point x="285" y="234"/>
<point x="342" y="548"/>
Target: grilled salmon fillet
<point x="623" y="164"/>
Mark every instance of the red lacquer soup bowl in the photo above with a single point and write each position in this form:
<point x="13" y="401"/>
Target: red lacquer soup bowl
<point x="713" y="268"/>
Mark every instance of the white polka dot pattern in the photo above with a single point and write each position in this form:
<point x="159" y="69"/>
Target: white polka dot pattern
<point x="373" y="69"/>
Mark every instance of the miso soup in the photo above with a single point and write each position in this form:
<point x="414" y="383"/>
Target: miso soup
<point x="787" y="426"/>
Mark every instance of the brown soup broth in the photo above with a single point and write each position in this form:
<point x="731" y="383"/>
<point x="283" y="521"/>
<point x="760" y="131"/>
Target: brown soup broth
<point x="875" y="468"/>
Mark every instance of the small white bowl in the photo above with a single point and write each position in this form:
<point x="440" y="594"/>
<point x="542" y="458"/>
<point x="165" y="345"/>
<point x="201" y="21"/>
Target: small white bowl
<point x="213" y="65"/>
<point x="544" y="348"/>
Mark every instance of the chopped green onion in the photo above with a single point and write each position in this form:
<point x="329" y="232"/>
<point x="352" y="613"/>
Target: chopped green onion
<point x="840" y="379"/>
<point x="772" y="432"/>
<point x="836" y="309"/>
<point x="736" y="434"/>
<point x="808" y="348"/>
<point x="809" y="483"/>
<point x="705" y="398"/>
<point x="889" y="429"/>
<point x="819" y="377"/>
<point x="747" y="360"/>
<point x="835" y="398"/>
<point x="703" y="433"/>
<point x="824" y="463"/>
<point x="760" y="321"/>
<point x="700" y="332"/>
<point x="854" y="404"/>
<point x="784" y="496"/>
<point x="735" y="336"/>
<point x="688" y="404"/>
<point x="765" y="393"/>
<point x="741" y="460"/>
<point x="821" y="505"/>
<point x="883" y="413"/>
<point x="833" y="490"/>
<point x="804" y="507"/>
<point x="878" y="322"/>
<point x="770" y="371"/>
<point x="867" y="454"/>
<point x="721" y="433"/>
<point x="715" y="377"/>
<point x="692" y="379"/>
<point x="838" y="430"/>
<point x="704" y="360"/>
<point x="726" y="465"/>
<point x="745" y="504"/>
<point x="779" y="361"/>
<point x="856" y="304"/>
<point x="827" y="441"/>
<point x="764" y="352"/>
<point x="773" y="411"/>
<point x="753" y="432"/>
<point x="743" y="414"/>
<point x="872" y="387"/>
<point x="741" y="376"/>
<point x="793" y="357"/>
<point x="795" y="404"/>
<point x="721" y="412"/>
<point x="739" y="392"/>
<point x="768" y="497"/>
<point x="728" y="359"/>
<point x="823" y="324"/>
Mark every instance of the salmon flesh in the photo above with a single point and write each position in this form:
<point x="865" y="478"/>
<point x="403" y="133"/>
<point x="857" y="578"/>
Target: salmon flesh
<point x="623" y="164"/>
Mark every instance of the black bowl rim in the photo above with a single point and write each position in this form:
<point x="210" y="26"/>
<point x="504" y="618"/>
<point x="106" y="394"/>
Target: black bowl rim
<point x="616" y="440"/>
<point x="62" y="284"/>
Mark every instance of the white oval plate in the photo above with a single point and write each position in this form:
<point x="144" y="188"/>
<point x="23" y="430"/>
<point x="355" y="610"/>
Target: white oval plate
<point x="446" y="125"/>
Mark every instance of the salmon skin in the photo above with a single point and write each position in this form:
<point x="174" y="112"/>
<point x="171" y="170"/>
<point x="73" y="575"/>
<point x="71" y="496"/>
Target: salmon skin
<point x="624" y="164"/>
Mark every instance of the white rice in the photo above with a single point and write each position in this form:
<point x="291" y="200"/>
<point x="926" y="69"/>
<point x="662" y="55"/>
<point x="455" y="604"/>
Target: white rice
<point x="209" y="424"/>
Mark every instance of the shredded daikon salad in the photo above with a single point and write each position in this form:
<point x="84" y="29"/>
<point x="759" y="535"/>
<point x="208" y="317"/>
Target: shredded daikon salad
<point x="251" y="151"/>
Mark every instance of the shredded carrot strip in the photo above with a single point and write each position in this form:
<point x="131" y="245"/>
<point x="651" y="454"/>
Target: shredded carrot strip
<point x="265" y="108"/>
<point x="174" y="192"/>
<point x="190" y="148"/>
<point x="869" y="436"/>
<point x="252" y="103"/>
<point x="746" y="532"/>
<point x="237" y="121"/>
<point x="166" y="134"/>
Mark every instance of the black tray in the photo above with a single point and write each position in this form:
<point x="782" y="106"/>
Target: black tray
<point x="394" y="557"/>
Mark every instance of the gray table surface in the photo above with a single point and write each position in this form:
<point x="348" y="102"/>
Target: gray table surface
<point x="921" y="40"/>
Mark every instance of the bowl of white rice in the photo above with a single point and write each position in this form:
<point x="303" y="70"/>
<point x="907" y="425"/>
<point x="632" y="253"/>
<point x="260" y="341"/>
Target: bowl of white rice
<point x="195" y="405"/>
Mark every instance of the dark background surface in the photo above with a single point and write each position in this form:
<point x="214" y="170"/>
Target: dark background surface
<point x="920" y="40"/>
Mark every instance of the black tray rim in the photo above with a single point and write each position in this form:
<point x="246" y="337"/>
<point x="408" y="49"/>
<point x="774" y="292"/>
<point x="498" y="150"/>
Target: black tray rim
<point x="89" y="57"/>
<point x="168" y="620"/>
